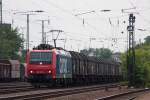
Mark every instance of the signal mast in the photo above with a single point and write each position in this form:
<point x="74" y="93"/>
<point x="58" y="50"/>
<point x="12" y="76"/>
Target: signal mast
<point x="131" y="47"/>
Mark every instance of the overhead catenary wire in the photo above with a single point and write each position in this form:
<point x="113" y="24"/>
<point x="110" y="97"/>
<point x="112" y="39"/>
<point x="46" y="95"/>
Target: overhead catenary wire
<point x="63" y="10"/>
<point x="83" y="20"/>
<point x="144" y="19"/>
<point x="70" y="13"/>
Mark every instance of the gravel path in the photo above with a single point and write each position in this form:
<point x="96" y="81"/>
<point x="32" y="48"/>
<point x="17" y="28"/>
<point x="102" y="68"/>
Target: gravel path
<point x="145" y="96"/>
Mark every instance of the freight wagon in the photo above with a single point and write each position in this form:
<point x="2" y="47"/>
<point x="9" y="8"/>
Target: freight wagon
<point x="94" y="70"/>
<point x="10" y="70"/>
<point x="5" y="70"/>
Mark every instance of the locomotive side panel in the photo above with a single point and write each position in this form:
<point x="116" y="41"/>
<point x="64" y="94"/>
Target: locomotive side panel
<point x="5" y="72"/>
<point x="15" y="69"/>
<point x="63" y="67"/>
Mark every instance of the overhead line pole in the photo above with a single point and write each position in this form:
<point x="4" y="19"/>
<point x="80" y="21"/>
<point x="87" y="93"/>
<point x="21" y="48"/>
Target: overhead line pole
<point x="28" y="31"/>
<point x="131" y="64"/>
<point x="27" y="13"/>
<point x="1" y="12"/>
<point x="43" y="32"/>
<point x="27" y="44"/>
<point x="131" y="52"/>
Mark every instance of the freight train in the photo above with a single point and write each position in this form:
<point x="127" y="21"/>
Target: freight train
<point x="11" y="70"/>
<point x="52" y="66"/>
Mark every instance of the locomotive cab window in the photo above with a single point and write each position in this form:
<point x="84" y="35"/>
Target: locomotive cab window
<point x="40" y="58"/>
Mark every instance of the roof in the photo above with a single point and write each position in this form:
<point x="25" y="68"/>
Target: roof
<point x="4" y="62"/>
<point x="14" y="62"/>
<point x="62" y="52"/>
<point x="9" y="62"/>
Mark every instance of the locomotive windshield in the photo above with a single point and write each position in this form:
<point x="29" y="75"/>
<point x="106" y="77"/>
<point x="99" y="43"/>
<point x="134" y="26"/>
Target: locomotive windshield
<point x="40" y="58"/>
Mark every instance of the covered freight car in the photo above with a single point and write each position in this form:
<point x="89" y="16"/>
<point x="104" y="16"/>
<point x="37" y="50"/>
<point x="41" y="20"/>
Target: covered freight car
<point x="5" y="70"/>
<point x="87" y="69"/>
<point x="9" y="70"/>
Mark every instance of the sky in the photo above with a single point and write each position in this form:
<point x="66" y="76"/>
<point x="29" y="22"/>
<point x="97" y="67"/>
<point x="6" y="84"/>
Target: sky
<point x="81" y="30"/>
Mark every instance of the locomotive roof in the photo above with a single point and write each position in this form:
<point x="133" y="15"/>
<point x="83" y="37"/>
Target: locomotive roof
<point x="40" y="50"/>
<point x="81" y="56"/>
<point x="76" y="55"/>
<point x="57" y="51"/>
<point x="62" y="52"/>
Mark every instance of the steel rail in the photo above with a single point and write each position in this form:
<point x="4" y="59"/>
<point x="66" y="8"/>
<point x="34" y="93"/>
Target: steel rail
<point x="123" y="94"/>
<point x="41" y="96"/>
<point x="19" y="86"/>
<point x="18" y="89"/>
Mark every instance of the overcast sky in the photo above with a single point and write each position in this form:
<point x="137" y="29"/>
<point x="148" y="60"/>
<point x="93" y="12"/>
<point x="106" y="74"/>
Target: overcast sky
<point x="108" y="29"/>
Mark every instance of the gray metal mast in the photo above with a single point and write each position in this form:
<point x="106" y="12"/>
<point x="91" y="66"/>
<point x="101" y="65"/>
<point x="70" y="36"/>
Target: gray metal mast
<point x="27" y="44"/>
<point x="131" y="52"/>
<point x="1" y="13"/>
<point x="43" y="32"/>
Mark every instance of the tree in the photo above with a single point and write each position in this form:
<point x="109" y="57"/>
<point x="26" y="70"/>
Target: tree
<point x="84" y="51"/>
<point x="142" y="65"/>
<point x="124" y="65"/>
<point x="147" y="40"/>
<point x="98" y="52"/>
<point x="142" y="69"/>
<point x="10" y="42"/>
<point x="103" y="53"/>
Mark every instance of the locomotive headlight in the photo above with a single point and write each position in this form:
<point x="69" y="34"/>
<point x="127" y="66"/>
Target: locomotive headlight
<point x="31" y="71"/>
<point x="49" y="71"/>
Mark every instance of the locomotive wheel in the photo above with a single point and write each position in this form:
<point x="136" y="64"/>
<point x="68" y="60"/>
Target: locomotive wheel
<point x="35" y="85"/>
<point x="54" y="83"/>
<point x="49" y="85"/>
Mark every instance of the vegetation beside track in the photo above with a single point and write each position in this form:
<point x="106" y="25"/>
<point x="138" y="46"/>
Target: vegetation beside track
<point x="10" y="43"/>
<point x="142" y="70"/>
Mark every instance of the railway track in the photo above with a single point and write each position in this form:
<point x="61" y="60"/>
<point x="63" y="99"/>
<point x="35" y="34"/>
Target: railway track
<point x="16" y="89"/>
<point x="13" y="85"/>
<point x="56" y="93"/>
<point x="130" y="95"/>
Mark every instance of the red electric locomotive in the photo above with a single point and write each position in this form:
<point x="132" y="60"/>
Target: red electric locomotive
<point x="45" y="66"/>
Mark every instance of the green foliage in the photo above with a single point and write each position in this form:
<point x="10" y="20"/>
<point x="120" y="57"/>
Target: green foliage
<point x="22" y="59"/>
<point x="98" y="52"/>
<point x="103" y="53"/>
<point x="143" y="65"/>
<point x="124" y="66"/>
<point x="142" y="70"/>
<point x="10" y="42"/>
<point x="147" y="40"/>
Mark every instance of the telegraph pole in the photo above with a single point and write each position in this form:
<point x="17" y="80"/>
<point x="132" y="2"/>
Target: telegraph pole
<point x="131" y="51"/>
<point x="28" y="13"/>
<point x="91" y="41"/>
<point x="43" y="32"/>
<point x="28" y="32"/>
<point x="1" y="12"/>
<point x="27" y="43"/>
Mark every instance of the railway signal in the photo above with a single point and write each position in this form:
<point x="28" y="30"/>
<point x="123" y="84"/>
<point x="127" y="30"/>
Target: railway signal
<point x="131" y="51"/>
